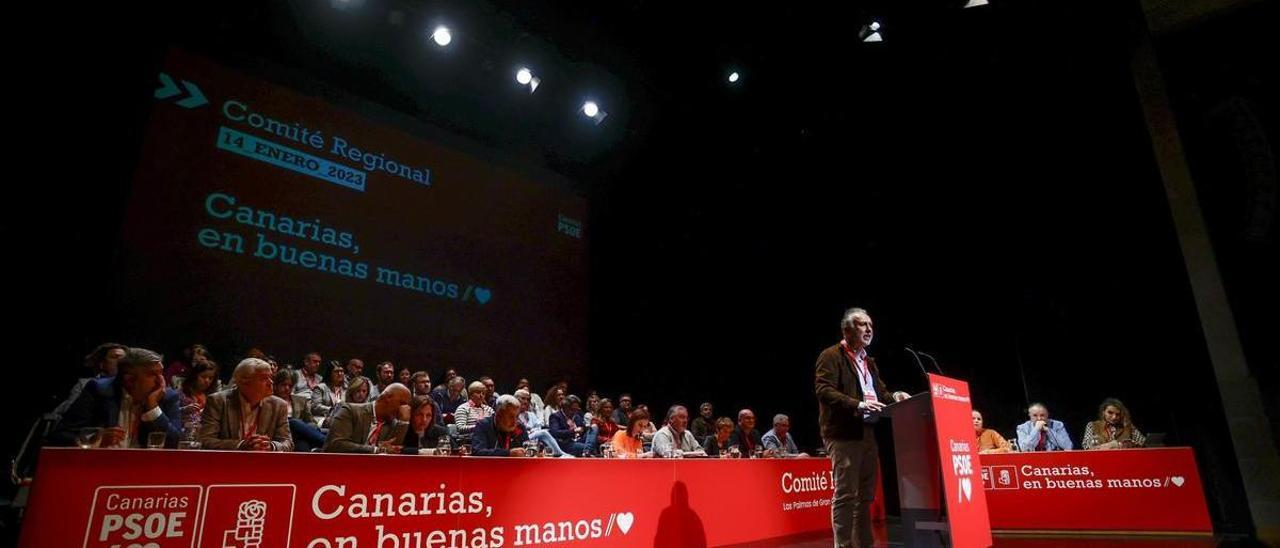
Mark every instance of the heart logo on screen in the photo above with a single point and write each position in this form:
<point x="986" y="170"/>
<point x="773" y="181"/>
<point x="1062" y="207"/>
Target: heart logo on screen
<point x="966" y="489"/>
<point x="625" y="520"/>
<point x="1177" y="480"/>
<point x="483" y="295"/>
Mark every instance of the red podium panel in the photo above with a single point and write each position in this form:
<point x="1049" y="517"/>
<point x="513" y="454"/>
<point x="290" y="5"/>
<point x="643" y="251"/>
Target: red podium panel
<point x="940" y="492"/>
<point x="966" y="501"/>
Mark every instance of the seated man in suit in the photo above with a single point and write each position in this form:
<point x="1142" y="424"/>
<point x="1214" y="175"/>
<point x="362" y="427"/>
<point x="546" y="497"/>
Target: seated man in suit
<point x="377" y="426"/>
<point x="501" y="434"/>
<point x="128" y="407"/>
<point x="566" y="426"/>
<point x="247" y="417"/>
<point x="705" y="424"/>
<point x="778" y="442"/>
<point x="99" y="364"/>
<point x="302" y="424"/>
<point x="1041" y="433"/>
<point x="448" y="397"/>
<point x="745" y="435"/>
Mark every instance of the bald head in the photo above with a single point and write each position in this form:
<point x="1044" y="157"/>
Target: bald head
<point x="391" y="399"/>
<point x="746" y="419"/>
<point x="398" y="391"/>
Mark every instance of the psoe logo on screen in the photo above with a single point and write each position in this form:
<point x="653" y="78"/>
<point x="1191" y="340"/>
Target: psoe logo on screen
<point x="155" y="516"/>
<point x="569" y="226"/>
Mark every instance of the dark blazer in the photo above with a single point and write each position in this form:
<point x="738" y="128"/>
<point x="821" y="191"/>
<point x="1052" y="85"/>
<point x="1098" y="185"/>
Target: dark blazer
<point x="487" y="441"/>
<point x="559" y="426"/>
<point x="622" y="417"/>
<point x="702" y="427"/>
<point x="99" y="405"/>
<point x="839" y="393"/>
<point x="445" y="404"/>
<point x="712" y="446"/>
<point x="430" y="438"/>
<point x="740" y="438"/>
<point x="220" y="423"/>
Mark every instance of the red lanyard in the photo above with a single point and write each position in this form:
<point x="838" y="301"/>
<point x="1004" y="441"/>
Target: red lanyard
<point x="859" y="369"/>
<point x="506" y="442"/>
<point x="135" y="420"/>
<point x="252" y="429"/>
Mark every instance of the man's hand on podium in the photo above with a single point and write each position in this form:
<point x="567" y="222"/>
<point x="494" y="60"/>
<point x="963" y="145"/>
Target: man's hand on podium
<point x="899" y="396"/>
<point x="873" y="406"/>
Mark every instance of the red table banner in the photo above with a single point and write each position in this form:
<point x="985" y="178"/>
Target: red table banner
<point x="966" y="502"/>
<point x="136" y="498"/>
<point x="1130" y="490"/>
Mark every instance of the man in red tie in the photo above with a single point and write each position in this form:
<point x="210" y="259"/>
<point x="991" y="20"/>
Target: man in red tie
<point x="850" y="397"/>
<point x="745" y="435"/>
<point x="1040" y="433"/>
<point x="378" y="426"/>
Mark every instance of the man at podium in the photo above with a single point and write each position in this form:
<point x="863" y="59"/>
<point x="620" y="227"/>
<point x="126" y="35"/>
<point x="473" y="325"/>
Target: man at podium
<point x="850" y="396"/>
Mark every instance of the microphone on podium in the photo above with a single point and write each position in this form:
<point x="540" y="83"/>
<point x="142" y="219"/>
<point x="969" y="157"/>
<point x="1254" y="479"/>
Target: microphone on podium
<point x="919" y="363"/>
<point x="935" y="363"/>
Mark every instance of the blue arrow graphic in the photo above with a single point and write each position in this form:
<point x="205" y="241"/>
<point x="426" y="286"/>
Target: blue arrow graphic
<point x="196" y="98"/>
<point x="168" y="88"/>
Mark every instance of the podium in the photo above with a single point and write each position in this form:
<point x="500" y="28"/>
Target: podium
<point x="939" y="489"/>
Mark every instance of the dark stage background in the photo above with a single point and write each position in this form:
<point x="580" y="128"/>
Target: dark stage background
<point x="982" y="182"/>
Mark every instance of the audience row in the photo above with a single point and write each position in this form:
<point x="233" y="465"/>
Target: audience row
<point x="134" y="399"/>
<point x="130" y="402"/>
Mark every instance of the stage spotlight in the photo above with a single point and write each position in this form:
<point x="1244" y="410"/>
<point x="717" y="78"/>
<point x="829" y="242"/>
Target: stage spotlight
<point x="442" y="36"/>
<point x="734" y="77"/>
<point x="525" y="77"/>
<point x="593" y="111"/>
<point x="975" y="3"/>
<point x="871" y="33"/>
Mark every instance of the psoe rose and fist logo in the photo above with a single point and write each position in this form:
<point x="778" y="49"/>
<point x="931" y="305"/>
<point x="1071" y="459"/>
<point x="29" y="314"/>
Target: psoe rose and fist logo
<point x="172" y="516"/>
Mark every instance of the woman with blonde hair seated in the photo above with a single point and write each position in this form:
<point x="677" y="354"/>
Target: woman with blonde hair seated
<point x="1113" y="429"/>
